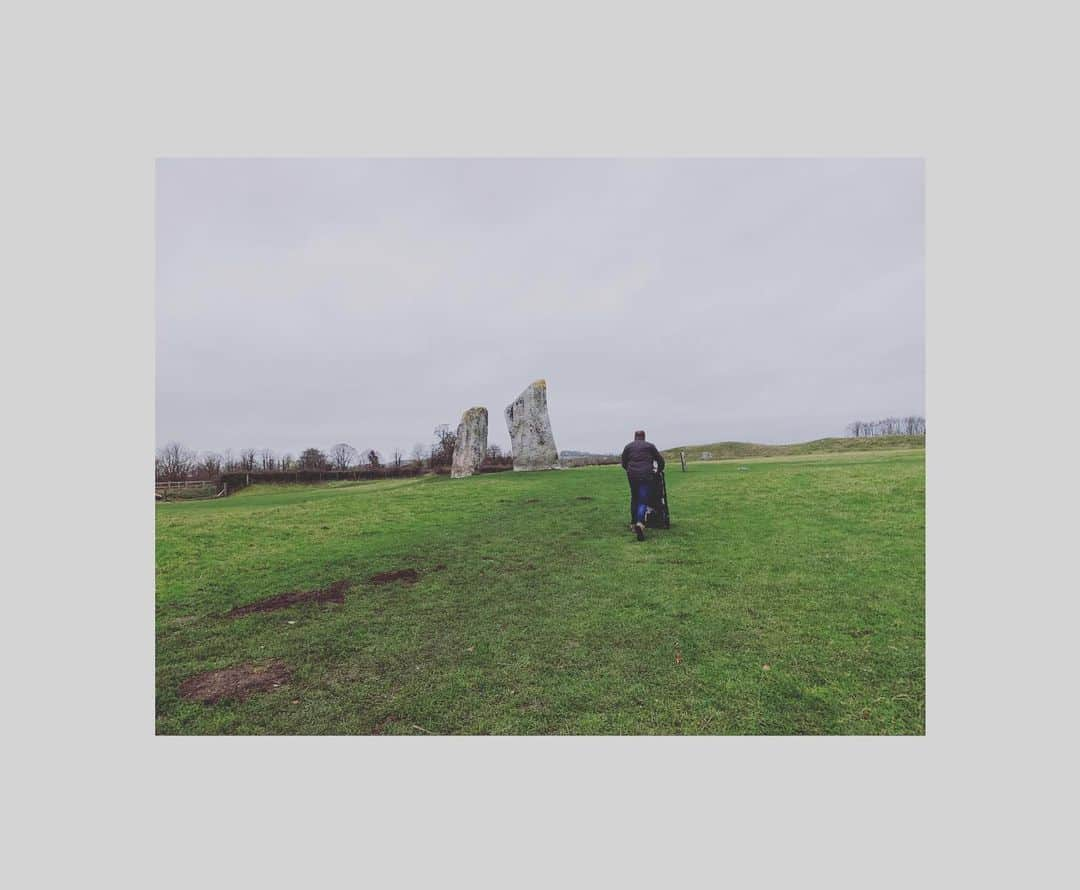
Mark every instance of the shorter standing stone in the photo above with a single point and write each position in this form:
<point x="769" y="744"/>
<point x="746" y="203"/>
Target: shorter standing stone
<point x="471" y="445"/>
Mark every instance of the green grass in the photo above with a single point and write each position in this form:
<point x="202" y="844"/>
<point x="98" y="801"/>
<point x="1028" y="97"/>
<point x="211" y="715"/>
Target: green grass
<point x="737" y="450"/>
<point x="549" y="617"/>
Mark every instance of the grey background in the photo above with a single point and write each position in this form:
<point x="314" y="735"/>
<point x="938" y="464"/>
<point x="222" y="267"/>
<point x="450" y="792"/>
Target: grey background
<point x="307" y="302"/>
<point x="764" y="80"/>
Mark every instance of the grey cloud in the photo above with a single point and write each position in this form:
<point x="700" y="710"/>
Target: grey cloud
<point x="305" y="302"/>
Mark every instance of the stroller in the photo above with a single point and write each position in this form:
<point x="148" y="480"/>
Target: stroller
<point x="657" y="515"/>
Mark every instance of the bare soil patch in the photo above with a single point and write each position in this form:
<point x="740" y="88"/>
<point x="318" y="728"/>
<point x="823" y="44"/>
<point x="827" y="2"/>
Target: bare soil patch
<point x="335" y="593"/>
<point x="237" y="682"/>
<point x="383" y="724"/>
<point x="184" y="619"/>
<point x="533" y="501"/>
<point x="583" y="498"/>
<point x="409" y="576"/>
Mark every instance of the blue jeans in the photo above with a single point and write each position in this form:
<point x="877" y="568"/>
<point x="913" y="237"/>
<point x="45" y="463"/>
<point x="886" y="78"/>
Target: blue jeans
<point x="640" y="498"/>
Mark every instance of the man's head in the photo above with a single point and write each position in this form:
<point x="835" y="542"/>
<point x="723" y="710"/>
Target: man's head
<point x="639" y="435"/>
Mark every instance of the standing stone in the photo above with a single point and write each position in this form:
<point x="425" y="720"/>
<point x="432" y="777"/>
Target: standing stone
<point x="530" y="430"/>
<point x="471" y="443"/>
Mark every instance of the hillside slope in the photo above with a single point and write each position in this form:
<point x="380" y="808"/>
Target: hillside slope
<point x="729" y="450"/>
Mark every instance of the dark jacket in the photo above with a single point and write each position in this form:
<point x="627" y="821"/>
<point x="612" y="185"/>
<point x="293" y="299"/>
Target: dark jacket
<point x="638" y="457"/>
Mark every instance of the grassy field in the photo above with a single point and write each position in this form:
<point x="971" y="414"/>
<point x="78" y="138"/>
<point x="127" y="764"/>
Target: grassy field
<point x="787" y="598"/>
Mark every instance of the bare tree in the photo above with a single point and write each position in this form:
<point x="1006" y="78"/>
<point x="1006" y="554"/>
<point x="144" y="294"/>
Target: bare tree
<point x="174" y="462"/>
<point x="247" y="459"/>
<point x="313" y="459"/>
<point x="494" y="452"/>
<point x="266" y="460"/>
<point x="286" y="461"/>
<point x="915" y="426"/>
<point x="342" y="456"/>
<point x="373" y="459"/>
<point x="888" y="426"/>
<point x="442" y="449"/>
<point x="397" y="457"/>
<point x="210" y="465"/>
<point x="419" y="454"/>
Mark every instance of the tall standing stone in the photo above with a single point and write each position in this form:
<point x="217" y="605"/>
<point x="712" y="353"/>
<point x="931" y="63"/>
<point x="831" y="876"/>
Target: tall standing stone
<point x="471" y="443"/>
<point x="530" y="430"/>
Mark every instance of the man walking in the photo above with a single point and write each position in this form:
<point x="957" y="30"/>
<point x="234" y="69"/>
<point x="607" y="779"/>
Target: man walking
<point x="637" y="459"/>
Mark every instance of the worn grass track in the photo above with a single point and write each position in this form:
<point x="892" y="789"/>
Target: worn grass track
<point x="547" y="616"/>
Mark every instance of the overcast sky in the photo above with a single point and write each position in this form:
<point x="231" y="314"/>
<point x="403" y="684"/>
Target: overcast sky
<point x="309" y="302"/>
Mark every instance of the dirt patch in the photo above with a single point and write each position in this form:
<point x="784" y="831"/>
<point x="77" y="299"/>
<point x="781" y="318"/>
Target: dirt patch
<point x="237" y="682"/>
<point x="865" y="632"/>
<point x="382" y="724"/>
<point x="183" y="619"/>
<point x="409" y="576"/>
<point x="335" y="593"/>
<point x="440" y="567"/>
<point x="582" y="498"/>
<point x="533" y="501"/>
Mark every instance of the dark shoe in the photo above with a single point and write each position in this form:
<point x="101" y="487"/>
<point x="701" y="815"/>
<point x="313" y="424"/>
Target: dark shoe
<point x="639" y="530"/>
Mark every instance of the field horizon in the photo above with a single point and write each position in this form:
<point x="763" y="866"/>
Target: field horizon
<point x="734" y="450"/>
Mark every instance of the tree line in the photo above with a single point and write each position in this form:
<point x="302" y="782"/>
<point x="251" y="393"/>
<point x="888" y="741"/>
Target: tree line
<point x="888" y="426"/>
<point x="175" y="462"/>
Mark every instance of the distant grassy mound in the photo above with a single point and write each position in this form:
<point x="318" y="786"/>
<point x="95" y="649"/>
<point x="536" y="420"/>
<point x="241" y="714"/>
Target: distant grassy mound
<point x="729" y="450"/>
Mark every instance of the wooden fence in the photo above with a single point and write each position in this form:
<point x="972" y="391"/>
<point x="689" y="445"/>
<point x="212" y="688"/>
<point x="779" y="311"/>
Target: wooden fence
<point x="189" y="489"/>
